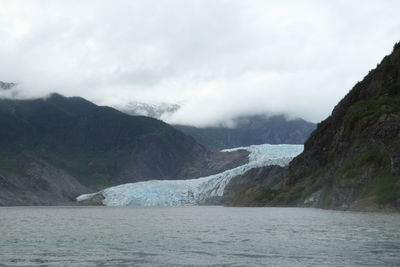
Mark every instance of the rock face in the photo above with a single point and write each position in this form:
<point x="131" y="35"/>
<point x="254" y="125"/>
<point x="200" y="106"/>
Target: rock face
<point x="252" y="130"/>
<point x="254" y="188"/>
<point x="352" y="159"/>
<point x="37" y="183"/>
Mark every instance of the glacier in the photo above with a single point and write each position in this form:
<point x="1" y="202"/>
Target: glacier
<point x="194" y="191"/>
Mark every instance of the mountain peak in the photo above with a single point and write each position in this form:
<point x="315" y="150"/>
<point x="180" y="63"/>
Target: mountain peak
<point x="6" y="85"/>
<point x="152" y="110"/>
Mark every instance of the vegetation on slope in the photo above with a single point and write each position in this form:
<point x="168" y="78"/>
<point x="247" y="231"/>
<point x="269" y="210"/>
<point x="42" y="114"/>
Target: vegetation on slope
<point x="352" y="160"/>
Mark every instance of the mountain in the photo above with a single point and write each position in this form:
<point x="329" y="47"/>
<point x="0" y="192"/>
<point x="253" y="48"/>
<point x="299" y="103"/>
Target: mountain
<point x="6" y="86"/>
<point x="155" y="111"/>
<point x="252" y="130"/>
<point x="352" y="160"/>
<point x="86" y="145"/>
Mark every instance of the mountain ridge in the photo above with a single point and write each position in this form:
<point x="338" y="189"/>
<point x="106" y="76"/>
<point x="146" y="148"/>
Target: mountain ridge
<point x="252" y="130"/>
<point x="242" y="130"/>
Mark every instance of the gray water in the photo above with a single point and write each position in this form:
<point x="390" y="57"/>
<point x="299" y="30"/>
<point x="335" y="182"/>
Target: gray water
<point x="196" y="236"/>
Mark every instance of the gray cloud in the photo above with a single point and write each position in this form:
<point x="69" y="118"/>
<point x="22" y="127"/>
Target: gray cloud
<point x="219" y="58"/>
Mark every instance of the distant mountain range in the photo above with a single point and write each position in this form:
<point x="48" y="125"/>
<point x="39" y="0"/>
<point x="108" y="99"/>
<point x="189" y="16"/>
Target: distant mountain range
<point x="252" y="130"/>
<point x="247" y="130"/>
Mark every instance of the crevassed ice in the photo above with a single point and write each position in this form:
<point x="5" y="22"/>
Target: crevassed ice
<point x="194" y="191"/>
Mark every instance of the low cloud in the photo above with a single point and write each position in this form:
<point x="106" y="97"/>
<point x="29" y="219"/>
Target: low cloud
<point x="218" y="59"/>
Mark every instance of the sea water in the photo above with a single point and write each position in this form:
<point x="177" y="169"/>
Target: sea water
<point x="196" y="236"/>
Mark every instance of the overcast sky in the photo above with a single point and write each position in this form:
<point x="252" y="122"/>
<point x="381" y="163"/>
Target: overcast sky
<point x="218" y="59"/>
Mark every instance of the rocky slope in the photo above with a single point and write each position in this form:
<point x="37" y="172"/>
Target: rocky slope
<point x="37" y="182"/>
<point x="254" y="188"/>
<point x="252" y="130"/>
<point x="352" y="160"/>
<point x="93" y="146"/>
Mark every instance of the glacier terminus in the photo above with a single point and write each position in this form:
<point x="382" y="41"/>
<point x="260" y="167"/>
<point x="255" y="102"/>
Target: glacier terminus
<point x="194" y="191"/>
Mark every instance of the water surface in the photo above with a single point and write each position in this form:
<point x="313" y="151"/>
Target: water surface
<point x="196" y="236"/>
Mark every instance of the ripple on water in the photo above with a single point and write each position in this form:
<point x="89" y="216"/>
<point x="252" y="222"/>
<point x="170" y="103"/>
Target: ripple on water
<point x="100" y="236"/>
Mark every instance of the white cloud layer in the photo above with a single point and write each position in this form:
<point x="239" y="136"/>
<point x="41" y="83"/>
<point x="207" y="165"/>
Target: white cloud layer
<point x="220" y="58"/>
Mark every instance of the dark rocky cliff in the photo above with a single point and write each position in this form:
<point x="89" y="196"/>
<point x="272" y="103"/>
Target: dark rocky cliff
<point x="352" y="160"/>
